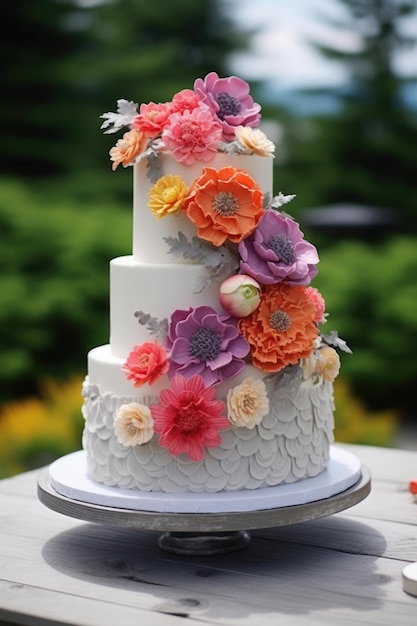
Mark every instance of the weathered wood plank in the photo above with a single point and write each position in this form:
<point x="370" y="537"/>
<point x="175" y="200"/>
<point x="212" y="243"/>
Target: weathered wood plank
<point x="34" y="606"/>
<point x="22" y="484"/>
<point x="387" y="501"/>
<point x="349" y="534"/>
<point x="87" y="560"/>
<point x="248" y="588"/>
<point x="387" y="464"/>
<point x="343" y="569"/>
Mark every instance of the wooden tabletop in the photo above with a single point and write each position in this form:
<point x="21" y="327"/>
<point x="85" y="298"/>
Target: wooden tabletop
<point x="344" y="569"/>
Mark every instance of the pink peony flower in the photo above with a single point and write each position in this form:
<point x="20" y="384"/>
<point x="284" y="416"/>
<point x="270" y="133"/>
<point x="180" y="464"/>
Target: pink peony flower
<point x="146" y="363"/>
<point x="185" y="99"/>
<point x="152" y="118"/>
<point x="318" y="301"/>
<point x="229" y="99"/>
<point x="189" y="417"/>
<point x="192" y="135"/>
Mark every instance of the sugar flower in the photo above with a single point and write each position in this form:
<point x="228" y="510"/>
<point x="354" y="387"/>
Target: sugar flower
<point x="189" y="417"/>
<point x="133" y="424"/>
<point x="229" y="99"/>
<point x="185" y="99"/>
<point x="318" y="301"/>
<point x="192" y="135"/>
<point x="146" y="363"/>
<point x="240" y="295"/>
<point x="281" y="331"/>
<point x="167" y="195"/>
<point x="128" y="148"/>
<point x="276" y="251"/>
<point x="254" y="141"/>
<point x="202" y="344"/>
<point x="224" y="204"/>
<point x="247" y="403"/>
<point x="328" y="363"/>
<point x="152" y="118"/>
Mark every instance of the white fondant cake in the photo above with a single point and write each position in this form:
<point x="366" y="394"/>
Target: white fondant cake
<point x="216" y="377"/>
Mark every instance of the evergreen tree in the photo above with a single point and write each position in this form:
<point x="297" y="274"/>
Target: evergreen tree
<point x="366" y="152"/>
<point x="38" y="105"/>
<point x="67" y="62"/>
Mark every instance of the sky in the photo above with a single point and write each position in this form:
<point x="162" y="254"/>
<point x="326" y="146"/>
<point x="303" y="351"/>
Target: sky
<point x="281" y="53"/>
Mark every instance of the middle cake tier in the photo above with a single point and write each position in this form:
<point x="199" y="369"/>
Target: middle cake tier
<point x="156" y="289"/>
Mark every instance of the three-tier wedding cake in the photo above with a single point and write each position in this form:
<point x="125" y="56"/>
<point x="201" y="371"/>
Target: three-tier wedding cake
<point x="217" y="376"/>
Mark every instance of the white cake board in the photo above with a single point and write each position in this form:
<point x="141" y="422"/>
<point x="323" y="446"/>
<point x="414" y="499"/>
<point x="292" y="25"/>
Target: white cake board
<point x="68" y="477"/>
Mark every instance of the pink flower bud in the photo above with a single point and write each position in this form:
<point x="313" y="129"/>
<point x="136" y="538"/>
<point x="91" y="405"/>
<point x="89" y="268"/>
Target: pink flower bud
<point x="240" y="295"/>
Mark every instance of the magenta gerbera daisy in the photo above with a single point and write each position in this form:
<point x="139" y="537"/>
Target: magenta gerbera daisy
<point x="204" y="344"/>
<point x="189" y="417"/>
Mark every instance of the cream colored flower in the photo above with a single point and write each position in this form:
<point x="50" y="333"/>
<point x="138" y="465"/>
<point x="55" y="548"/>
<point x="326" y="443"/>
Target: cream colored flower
<point x="133" y="424"/>
<point x="328" y="363"/>
<point x="254" y="141"/>
<point x="247" y="403"/>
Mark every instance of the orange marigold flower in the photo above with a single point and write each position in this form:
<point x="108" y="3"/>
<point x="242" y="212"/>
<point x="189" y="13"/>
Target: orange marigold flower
<point x="224" y="204"/>
<point x="128" y="148"/>
<point x="167" y="195"/>
<point x="281" y="331"/>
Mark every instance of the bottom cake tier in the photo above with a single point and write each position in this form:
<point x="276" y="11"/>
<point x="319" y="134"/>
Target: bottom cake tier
<point x="291" y="443"/>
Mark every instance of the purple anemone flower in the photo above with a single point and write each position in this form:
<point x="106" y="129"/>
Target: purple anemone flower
<point x="229" y="99"/>
<point x="202" y="343"/>
<point x="276" y="251"/>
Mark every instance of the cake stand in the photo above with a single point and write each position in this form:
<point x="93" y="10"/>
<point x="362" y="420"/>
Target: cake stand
<point x="204" y="524"/>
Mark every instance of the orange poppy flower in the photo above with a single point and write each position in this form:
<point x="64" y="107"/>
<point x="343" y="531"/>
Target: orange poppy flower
<point x="224" y="204"/>
<point x="281" y="331"/>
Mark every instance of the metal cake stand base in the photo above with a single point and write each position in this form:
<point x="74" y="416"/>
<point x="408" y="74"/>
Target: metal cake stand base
<point x="204" y="533"/>
<point x="206" y="544"/>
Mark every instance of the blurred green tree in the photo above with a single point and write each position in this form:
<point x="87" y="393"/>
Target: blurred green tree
<point x="365" y="152"/>
<point x="65" y="62"/>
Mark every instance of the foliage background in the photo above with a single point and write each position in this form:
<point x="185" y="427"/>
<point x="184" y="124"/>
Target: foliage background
<point x="64" y="215"/>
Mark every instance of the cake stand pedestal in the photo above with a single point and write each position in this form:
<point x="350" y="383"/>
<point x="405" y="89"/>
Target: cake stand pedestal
<point x="185" y="520"/>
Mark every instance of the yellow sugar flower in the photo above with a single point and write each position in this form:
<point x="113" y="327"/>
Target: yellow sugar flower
<point x="247" y="403"/>
<point x="167" y="195"/>
<point x="254" y="141"/>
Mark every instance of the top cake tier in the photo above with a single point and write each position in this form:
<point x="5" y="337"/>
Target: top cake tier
<point x="150" y="233"/>
<point x="202" y="168"/>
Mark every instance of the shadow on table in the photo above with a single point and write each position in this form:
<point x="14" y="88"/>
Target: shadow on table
<point x="320" y="565"/>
